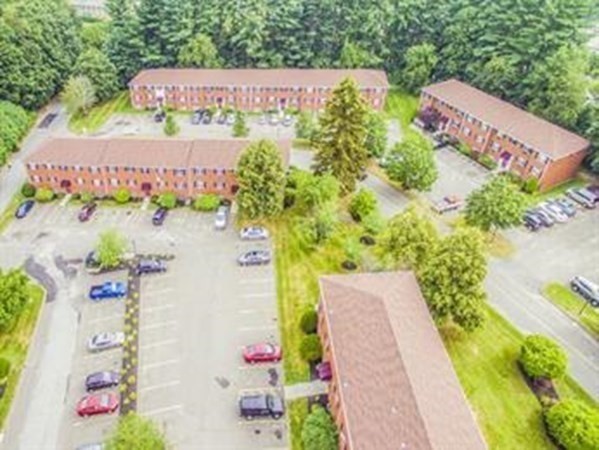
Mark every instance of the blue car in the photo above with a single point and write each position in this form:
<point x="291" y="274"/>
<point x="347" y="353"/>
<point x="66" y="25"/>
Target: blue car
<point x="108" y="290"/>
<point x="24" y="209"/>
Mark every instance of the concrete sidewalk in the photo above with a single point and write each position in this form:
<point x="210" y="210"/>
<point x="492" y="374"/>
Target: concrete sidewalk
<point x="308" y="389"/>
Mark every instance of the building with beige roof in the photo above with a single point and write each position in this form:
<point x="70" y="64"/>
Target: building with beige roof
<point x="393" y="385"/>
<point x="250" y="89"/>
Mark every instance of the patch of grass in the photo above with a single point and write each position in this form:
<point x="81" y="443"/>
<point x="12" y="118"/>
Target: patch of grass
<point x="572" y="304"/>
<point x="506" y="409"/>
<point x="9" y="212"/>
<point x="304" y="144"/>
<point x="99" y="114"/>
<point x="557" y="190"/>
<point x="402" y="106"/>
<point x="14" y="344"/>
<point x="297" y="411"/>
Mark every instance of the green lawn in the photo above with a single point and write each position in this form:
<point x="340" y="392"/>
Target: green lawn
<point x="297" y="411"/>
<point x="14" y="344"/>
<point x="402" y="106"/>
<point x="99" y="114"/>
<point x="570" y="303"/>
<point x="9" y="212"/>
<point x="558" y="190"/>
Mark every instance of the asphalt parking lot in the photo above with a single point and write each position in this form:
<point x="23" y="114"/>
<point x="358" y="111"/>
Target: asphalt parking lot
<point x="195" y="319"/>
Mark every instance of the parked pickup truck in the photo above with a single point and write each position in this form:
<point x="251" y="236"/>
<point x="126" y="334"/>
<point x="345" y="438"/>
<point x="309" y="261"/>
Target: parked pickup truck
<point x="448" y="203"/>
<point x="108" y="290"/>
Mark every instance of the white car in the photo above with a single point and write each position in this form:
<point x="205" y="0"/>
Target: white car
<point x="253" y="233"/>
<point x="554" y="211"/>
<point x="105" y="341"/>
<point x="222" y="218"/>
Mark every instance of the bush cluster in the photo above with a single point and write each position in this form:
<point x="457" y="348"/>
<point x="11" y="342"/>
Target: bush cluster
<point x="309" y="321"/>
<point x="122" y="195"/>
<point x="206" y="203"/>
<point x="540" y="357"/>
<point x="574" y="425"/>
<point x="44" y="195"/>
<point x="167" y="200"/>
<point x="14" y="123"/>
<point x="311" y="348"/>
<point x="362" y="204"/>
<point x="487" y="161"/>
<point x="28" y="190"/>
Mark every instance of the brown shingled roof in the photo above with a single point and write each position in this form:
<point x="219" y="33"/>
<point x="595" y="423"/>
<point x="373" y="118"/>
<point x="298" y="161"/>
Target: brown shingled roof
<point x="259" y="77"/>
<point x="543" y="136"/>
<point x="397" y="386"/>
<point x="68" y="151"/>
<point x="133" y="152"/>
<point x="225" y="152"/>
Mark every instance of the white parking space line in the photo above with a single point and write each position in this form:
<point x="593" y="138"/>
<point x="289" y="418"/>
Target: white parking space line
<point x="159" y="344"/>
<point x="154" y="412"/>
<point x="151" y="309"/>
<point x="102" y="355"/>
<point x="262" y="295"/>
<point x="95" y="420"/>
<point x="159" y="364"/>
<point x="160" y="386"/>
<point x="103" y="319"/>
<point x="154" y="292"/>
<point x="152" y="326"/>
<point x="256" y="280"/>
<point x="262" y="327"/>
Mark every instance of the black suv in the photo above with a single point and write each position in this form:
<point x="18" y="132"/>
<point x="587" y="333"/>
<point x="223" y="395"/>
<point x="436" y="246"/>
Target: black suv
<point x="261" y="405"/>
<point x="150" y="266"/>
<point x="586" y="289"/>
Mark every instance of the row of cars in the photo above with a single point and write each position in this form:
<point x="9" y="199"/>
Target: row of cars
<point x="561" y="209"/>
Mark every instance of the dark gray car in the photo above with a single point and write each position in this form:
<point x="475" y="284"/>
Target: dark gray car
<point x="586" y="289"/>
<point x="101" y="380"/>
<point x="254" y="258"/>
<point x="261" y="405"/>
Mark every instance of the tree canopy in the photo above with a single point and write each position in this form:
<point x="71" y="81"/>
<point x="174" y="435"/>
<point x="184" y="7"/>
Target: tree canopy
<point x="79" y="95"/>
<point x="96" y="66"/>
<point x="542" y="358"/>
<point x="319" y="431"/>
<point x="261" y="179"/>
<point x="134" y="432"/>
<point x="111" y="248"/>
<point x="199" y="52"/>
<point x="574" y="425"/>
<point x="413" y="163"/>
<point x="340" y="148"/>
<point x="14" y="294"/>
<point x="14" y="123"/>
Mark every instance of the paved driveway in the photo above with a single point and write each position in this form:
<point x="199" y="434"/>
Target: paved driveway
<point x="194" y="321"/>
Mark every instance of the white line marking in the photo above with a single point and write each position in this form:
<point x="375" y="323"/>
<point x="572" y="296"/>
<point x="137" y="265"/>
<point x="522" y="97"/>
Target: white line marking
<point x="256" y="280"/>
<point x="262" y="295"/>
<point x="158" y="344"/>
<point x="159" y="364"/>
<point x="160" y="386"/>
<point x="151" y="309"/>
<point x="162" y="410"/>
<point x="263" y="327"/>
<point x="152" y="326"/>
<point x="96" y="420"/>
<point x="104" y="319"/>
<point x="248" y="311"/>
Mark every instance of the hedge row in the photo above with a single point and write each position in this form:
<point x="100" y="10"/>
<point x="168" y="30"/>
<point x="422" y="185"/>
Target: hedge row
<point x="14" y="124"/>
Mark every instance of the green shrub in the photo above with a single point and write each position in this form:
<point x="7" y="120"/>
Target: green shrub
<point x="464" y="149"/>
<point x="206" y="203"/>
<point x="240" y="128"/>
<point x="362" y="204"/>
<point x="311" y="348"/>
<point x="531" y="185"/>
<point x="44" y="195"/>
<point x="28" y="190"/>
<point x="541" y="357"/>
<point x="4" y="368"/>
<point x="309" y="321"/>
<point x="373" y="223"/>
<point x="167" y="200"/>
<point x="574" y="425"/>
<point x="487" y="161"/>
<point x="87" y="197"/>
<point x="319" y="431"/>
<point x="170" y="126"/>
<point x="122" y="195"/>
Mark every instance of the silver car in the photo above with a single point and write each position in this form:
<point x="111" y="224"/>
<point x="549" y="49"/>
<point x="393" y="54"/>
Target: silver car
<point x="253" y="233"/>
<point x="221" y="218"/>
<point x="105" y="341"/>
<point x="554" y="212"/>
<point x="254" y="258"/>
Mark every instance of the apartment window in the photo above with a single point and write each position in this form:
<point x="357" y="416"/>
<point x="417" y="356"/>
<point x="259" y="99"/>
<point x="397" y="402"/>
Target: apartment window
<point x="36" y="179"/>
<point x="535" y="172"/>
<point x="469" y="119"/>
<point x="223" y="171"/>
<point x="97" y="182"/>
<point x="466" y="131"/>
<point x="485" y="127"/>
<point x="80" y="181"/>
<point x="480" y="139"/>
<point x="544" y="159"/>
<point x="310" y="90"/>
<point x="522" y="162"/>
<point x="131" y="182"/>
<point x="495" y="146"/>
<point x="114" y="182"/>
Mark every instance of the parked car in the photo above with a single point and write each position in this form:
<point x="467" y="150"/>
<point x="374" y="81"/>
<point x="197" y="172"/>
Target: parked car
<point x="580" y="199"/>
<point x="87" y="211"/>
<point x="545" y="218"/>
<point x="532" y="221"/>
<point x="287" y="120"/>
<point x="197" y="117"/>
<point x="108" y="290"/>
<point x="594" y="188"/>
<point x="261" y="405"/>
<point x="324" y="372"/>
<point x="150" y="265"/>
<point x="105" y="403"/>
<point x="222" y="119"/>
<point x="159" y="116"/>
<point x="589" y="195"/>
<point x="262" y="120"/>
<point x="554" y="212"/>
<point x="24" y="209"/>
<point x="565" y="205"/>
<point x="101" y="380"/>
<point x="230" y="120"/>
<point x="105" y="341"/>
<point x="159" y="216"/>
<point x="207" y="118"/>
<point x="274" y="119"/>
<point x="447" y="204"/>
<point x="253" y="233"/>
<point x="586" y="289"/>
<point x="254" y="258"/>
<point x="221" y="218"/>
<point x="91" y="260"/>
<point x="262" y="353"/>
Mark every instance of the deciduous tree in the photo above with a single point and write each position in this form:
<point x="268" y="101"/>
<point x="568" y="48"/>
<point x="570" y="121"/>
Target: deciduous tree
<point x="376" y="134"/>
<point x="414" y="164"/>
<point x="14" y="294"/>
<point x="319" y="431"/>
<point x="79" y="95"/>
<point x="199" y="52"/>
<point x="261" y="179"/>
<point x="240" y="128"/>
<point x="498" y="204"/>
<point x="451" y="279"/>
<point x="353" y="56"/>
<point x="310" y="192"/>
<point x="96" y="66"/>
<point x="362" y="204"/>
<point x="420" y="61"/>
<point x="340" y="148"/>
<point x="134" y="432"/>
<point x="111" y="248"/>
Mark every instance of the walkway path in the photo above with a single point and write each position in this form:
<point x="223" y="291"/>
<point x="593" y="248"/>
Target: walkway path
<point x="308" y="389"/>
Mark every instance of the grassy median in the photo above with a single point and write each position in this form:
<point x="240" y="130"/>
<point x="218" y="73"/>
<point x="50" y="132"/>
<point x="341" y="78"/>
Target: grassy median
<point x="99" y="114"/>
<point x="572" y="304"/>
<point x="14" y="344"/>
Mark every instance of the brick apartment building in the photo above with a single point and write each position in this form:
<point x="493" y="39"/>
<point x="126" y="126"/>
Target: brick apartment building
<point x="518" y="141"/>
<point x="250" y="89"/>
<point x="144" y="166"/>
<point x="393" y="386"/>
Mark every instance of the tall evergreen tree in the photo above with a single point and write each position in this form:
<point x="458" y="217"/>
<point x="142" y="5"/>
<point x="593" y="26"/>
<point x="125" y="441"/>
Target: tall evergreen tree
<point x="125" y="45"/>
<point x="340" y="146"/>
<point x="96" y="66"/>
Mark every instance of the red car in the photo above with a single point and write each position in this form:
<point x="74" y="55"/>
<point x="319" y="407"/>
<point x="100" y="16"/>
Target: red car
<point x="105" y="403"/>
<point x="262" y="353"/>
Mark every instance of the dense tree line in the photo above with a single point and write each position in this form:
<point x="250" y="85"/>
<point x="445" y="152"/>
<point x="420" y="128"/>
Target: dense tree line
<point x="14" y="123"/>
